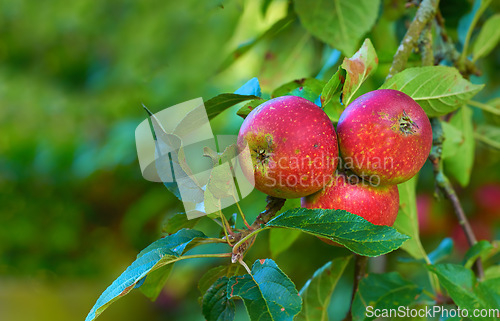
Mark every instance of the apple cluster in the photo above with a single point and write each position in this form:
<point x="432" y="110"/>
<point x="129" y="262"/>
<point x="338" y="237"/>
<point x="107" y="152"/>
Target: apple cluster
<point x="382" y="139"/>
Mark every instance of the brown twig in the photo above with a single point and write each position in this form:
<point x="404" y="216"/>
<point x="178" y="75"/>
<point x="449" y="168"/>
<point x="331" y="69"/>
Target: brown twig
<point x="359" y="273"/>
<point x="450" y="52"/>
<point x="425" y="13"/>
<point x="246" y="238"/>
<point x="444" y="185"/>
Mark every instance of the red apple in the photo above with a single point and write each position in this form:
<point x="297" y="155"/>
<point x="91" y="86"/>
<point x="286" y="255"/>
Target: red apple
<point x="293" y="147"/>
<point x="384" y="136"/>
<point x="377" y="204"/>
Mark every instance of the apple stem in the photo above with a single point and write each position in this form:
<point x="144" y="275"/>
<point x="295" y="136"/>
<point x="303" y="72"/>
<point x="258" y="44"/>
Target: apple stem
<point x="444" y="184"/>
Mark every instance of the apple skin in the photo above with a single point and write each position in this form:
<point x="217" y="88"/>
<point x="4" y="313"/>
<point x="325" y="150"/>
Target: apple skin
<point x="377" y="204"/>
<point x="384" y="135"/>
<point x="293" y="147"/>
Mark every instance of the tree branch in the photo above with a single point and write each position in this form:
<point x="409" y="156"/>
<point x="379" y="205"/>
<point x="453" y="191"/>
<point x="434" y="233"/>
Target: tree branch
<point x="443" y="184"/>
<point x="359" y="273"/>
<point x="450" y="52"/>
<point x="245" y="239"/>
<point x="425" y="13"/>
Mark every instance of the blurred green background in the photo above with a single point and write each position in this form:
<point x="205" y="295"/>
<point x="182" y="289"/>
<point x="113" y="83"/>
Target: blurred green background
<point x="74" y="208"/>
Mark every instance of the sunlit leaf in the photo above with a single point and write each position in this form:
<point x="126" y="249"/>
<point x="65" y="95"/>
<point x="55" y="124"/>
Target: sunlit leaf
<point x="439" y="90"/>
<point x="358" y="68"/>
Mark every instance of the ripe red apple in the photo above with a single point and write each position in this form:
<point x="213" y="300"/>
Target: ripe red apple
<point x="293" y="147"/>
<point x="384" y="136"/>
<point x="377" y="204"/>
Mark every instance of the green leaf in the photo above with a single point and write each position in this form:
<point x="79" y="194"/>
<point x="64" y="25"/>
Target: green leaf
<point x="150" y="260"/>
<point x="308" y="88"/>
<point x="281" y="239"/>
<point x="339" y="23"/>
<point x="407" y="219"/>
<point x="350" y="230"/>
<point x="493" y="272"/>
<point x="268" y="293"/>
<point x="459" y="283"/>
<point x="214" y="274"/>
<point x="177" y="222"/>
<point x="453" y="139"/>
<point x="275" y="29"/>
<point x="382" y="291"/>
<point x="318" y="290"/>
<point x="361" y="65"/>
<point x="248" y="107"/>
<point x="476" y="251"/>
<point x="460" y="165"/>
<point x="439" y="90"/>
<point x="489" y="135"/>
<point x="216" y="305"/>
<point x="330" y="95"/>
<point x="488" y="292"/>
<point x="488" y="38"/>
<point x="219" y="103"/>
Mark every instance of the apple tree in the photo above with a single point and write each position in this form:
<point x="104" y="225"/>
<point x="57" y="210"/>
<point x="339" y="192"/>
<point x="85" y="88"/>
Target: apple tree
<point x="411" y="100"/>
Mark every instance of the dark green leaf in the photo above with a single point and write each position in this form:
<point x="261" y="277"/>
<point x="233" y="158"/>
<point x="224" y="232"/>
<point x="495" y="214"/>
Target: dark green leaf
<point x="459" y="166"/>
<point x="219" y="103"/>
<point x="339" y="23"/>
<point x="268" y="293"/>
<point x="150" y="260"/>
<point x="281" y="239"/>
<point x="318" y="290"/>
<point x="407" y="219"/>
<point x="476" y="251"/>
<point x="350" y="230"/>
<point x="248" y="107"/>
<point x="358" y="68"/>
<point x="216" y="305"/>
<point x="276" y="28"/>
<point x="214" y="274"/>
<point x="488" y="38"/>
<point x="439" y="90"/>
<point x="308" y="88"/>
<point x="382" y="291"/>
<point x="177" y="222"/>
